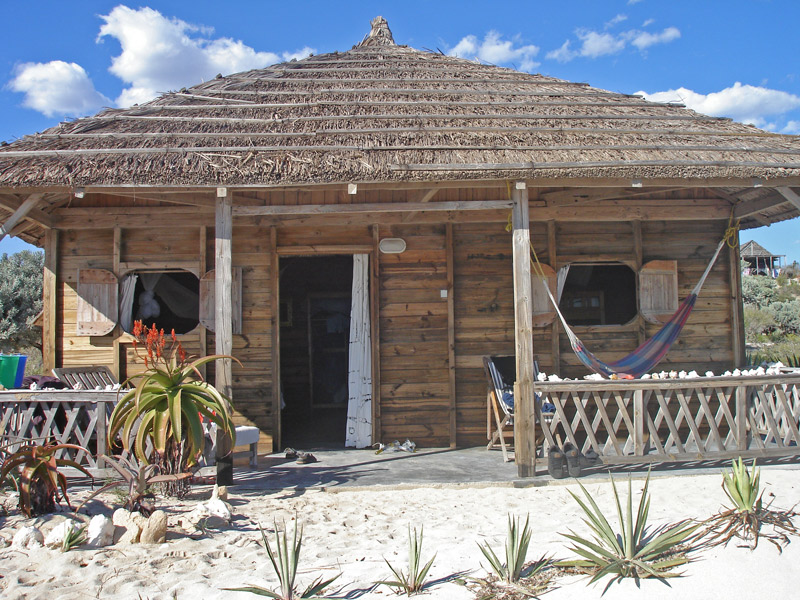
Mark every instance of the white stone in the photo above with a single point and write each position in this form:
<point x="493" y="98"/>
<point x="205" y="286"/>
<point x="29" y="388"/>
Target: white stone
<point x="56" y="536"/>
<point x="100" y="532"/>
<point x="27" y="537"/>
<point x="127" y="526"/>
<point x="692" y="375"/>
<point x="219" y="492"/>
<point x="542" y="376"/>
<point x="155" y="528"/>
<point x="737" y="373"/>
<point x="709" y="373"/>
<point x="213" y="513"/>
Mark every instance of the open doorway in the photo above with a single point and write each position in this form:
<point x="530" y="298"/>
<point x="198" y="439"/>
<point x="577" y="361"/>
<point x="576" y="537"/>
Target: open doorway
<point x="315" y="301"/>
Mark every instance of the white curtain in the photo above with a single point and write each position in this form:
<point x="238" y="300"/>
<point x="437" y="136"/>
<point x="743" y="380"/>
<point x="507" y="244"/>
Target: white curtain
<point x="128" y="286"/>
<point x="561" y="280"/>
<point x="359" y="378"/>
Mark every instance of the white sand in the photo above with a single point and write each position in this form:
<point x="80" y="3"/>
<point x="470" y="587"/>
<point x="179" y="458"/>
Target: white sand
<point x="351" y="531"/>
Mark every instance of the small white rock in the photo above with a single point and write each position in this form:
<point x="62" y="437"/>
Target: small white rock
<point x="692" y="375"/>
<point x="27" y="537"/>
<point x="542" y="376"/>
<point x="155" y="528"/>
<point x="553" y="377"/>
<point x="709" y="373"/>
<point x="100" y="532"/>
<point x="737" y="373"/>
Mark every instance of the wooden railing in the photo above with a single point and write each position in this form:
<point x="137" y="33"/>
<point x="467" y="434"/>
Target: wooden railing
<point x="65" y="416"/>
<point x="688" y="419"/>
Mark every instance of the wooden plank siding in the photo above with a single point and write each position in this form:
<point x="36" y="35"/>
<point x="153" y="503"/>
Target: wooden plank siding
<point x="414" y="376"/>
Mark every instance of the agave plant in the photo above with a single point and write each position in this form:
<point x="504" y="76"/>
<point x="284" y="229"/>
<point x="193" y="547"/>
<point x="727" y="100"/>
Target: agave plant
<point x="74" y="537"/>
<point x="167" y="404"/>
<point x="634" y="551"/>
<point x="748" y="513"/>
<point x="517" y="543"/>
<point x="139" y="479"/>
<point x="284" y="561"/>
<point x="37" y="476"/>
<point x="414" y="581"/>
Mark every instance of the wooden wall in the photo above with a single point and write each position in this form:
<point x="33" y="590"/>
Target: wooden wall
<point x="414" y="326"/>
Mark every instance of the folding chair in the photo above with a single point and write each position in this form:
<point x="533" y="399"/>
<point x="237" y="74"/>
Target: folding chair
<point x="86" y="378"/>
<point x="501" y="374"/>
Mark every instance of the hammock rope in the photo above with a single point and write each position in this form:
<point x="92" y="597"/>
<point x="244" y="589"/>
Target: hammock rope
<point x="653" y="350"/>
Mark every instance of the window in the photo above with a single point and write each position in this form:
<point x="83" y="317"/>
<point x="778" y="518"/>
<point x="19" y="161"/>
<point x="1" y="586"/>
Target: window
<point x="167" y="299"/>
<point x="600" y="294"/>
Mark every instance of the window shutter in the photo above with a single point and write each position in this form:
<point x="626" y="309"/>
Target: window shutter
<point x="658" y="290"/>
<point x="97" y="302"/>
<point x="543" y="310"/>
<point x="207" y="302"/>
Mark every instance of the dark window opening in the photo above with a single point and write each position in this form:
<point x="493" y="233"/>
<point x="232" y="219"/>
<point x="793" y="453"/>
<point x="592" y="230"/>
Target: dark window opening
<point x="170" y="300"/>
<point x="599" y="295"/>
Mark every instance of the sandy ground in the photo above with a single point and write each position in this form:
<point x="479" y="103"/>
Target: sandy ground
<point x="352" y="531"/>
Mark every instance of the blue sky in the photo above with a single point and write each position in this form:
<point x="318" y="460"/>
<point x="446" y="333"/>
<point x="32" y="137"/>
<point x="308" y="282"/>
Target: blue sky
<point x="737" y="58"/>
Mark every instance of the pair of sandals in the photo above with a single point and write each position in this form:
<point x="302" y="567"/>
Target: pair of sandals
<point x="302" y="458"/>
<point x="569" y="461"/>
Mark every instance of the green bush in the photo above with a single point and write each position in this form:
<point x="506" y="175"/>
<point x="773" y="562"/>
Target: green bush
<point x="786" y="315"/>
<point x="759" y="290"/>
<point x="757" y="322"/>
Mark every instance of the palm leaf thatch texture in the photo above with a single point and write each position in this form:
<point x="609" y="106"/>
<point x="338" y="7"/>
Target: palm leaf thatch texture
<point x="383" y="112"/>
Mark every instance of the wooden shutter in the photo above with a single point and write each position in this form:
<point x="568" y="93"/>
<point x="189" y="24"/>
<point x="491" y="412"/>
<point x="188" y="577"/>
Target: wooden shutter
<point x="543" y="310"/>
<point x="97" y="302"/>
<point x="658" y="290"/>
<point x="207" y="303"/>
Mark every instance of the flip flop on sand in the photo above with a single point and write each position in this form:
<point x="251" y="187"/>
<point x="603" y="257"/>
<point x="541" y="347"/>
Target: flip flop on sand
<point x="290" y="453"/>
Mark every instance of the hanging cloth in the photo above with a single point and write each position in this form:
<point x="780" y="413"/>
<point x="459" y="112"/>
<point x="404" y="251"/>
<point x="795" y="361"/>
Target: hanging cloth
<point x="359" y="377"/>
<point x="127" y="289"/>
<point x="650" y="353"/>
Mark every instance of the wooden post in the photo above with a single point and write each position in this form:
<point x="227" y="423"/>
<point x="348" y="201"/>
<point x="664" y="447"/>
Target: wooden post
<point x="116" y="260"/>
<point x="203" y="267"/>
<point x="638" y="422"/>
<point x="375" y="332"/>
<point x="451" y="336"/>
<point x="19" y="214"/>
<point x="555" y="326"/>
<point x="524" y="424"/>
<point x="741" y="417"/>
<point x="639" y="261"/>
<point x="50" y="301"/>
<point x="223" y="323"/>
<point x="275" y="323"/>
<point x="737" y="308"/>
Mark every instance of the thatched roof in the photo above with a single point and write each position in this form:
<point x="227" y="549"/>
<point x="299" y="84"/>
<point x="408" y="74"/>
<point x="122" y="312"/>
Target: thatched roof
<point x="382" y="112"/>
<point x="754" y="249"/>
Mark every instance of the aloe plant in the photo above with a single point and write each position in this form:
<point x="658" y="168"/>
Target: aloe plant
<point x="412" y="582"/>
<point x="744" y="519"/>
<point x="635" y="550"/>
<point x="74" y="537"/>
<point x="37" y="476"/>
<point x="516" y="550"/>
<point x="284" y="560"/>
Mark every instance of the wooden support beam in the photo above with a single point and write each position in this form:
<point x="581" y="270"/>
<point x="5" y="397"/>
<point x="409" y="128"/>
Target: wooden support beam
<point x="737" y="307"/>
<point x="524" y="423"/>
<point x="555" y="326"/>
<point x="275" y="337"/>
<point x="203" y="267"/>
<point x="383" y="207"/>
<point x="424" y="197"/>
<point x="451" y="335"/>
<point x="790" y="195"/>
<point x="12" y="203"/>
<point x="116" y="253"/>
<point x="375" y="332"/>
<point x="749" y="208"/>
<point x="223" y="323"/>
<point x="50" y="302"/>
<point x="22" y="210"/>
<point x="638" y="262"/>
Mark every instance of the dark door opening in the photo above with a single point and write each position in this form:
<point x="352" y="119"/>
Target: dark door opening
<point x="315" y="299"/>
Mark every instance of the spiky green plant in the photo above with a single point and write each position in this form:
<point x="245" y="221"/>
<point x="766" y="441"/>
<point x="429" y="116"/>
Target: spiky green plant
<point x="284" y="561"/>
<point x="412" y="582"/>
<point x="634" y="551"/>
<point x="748" y="514"/>
<point x="516" y="548"/>
<point x="37" y="476"/>
<point x="74" y="537"/>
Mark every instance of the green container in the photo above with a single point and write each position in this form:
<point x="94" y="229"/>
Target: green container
<point x="12" y="370"/>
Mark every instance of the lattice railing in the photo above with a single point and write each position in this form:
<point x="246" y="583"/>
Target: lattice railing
<point x="687" y="419"/>
<point x="65" y="416"/>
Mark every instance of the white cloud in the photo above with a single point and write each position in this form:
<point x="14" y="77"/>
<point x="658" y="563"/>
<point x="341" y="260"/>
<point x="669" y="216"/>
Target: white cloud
<point x="57" y="88"/>
<point x="793" y="128"/>
<point x="644" y="39"/>
<point x="599" y="44"/>
<point x="648" y="22"/>
<point x="497" y="51"/>
<point x="745" y="103"/>
<point x="161" y="53"/>
<point x="616" y="20"/>
<point x="595" y="44"/>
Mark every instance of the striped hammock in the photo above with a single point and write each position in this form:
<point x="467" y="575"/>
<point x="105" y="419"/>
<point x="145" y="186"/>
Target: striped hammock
<point x="649" y="354"/>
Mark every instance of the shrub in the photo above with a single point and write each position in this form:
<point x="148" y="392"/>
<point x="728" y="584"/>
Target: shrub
<point x="786" y="315"/>
<point x="758" y="290"/>
<point x="757" y="322"/>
